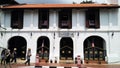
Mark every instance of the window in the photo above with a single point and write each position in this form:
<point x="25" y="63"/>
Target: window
<point x="43" y="19"/>
<point x="92" y="18"/>
<point x="17" y="19"/>
<point x="65" y="18"/>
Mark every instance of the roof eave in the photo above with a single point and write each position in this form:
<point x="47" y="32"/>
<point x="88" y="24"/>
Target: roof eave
<point x="52" y="6"/>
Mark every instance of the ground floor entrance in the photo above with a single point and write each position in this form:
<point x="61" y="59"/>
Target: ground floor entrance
<point x="19" y="44"/>
<point x="94" y="49"/>
<point x="43" y="48"/>
<point x="66" y="49"/>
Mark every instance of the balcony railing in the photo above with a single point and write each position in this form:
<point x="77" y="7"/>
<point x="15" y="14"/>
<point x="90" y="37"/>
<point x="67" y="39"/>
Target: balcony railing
<point x="44" y="23"/>
<point x="65" y="23"/>
<point x="92" y="22"/>
<point x="15" y="24"/>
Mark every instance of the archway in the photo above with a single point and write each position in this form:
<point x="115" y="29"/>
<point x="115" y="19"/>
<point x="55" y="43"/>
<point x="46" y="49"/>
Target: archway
<point x="20" y="44"/>
<point x="94" y="49"/>
<point x="43" y="44"/>
<point x="66" y="48"/>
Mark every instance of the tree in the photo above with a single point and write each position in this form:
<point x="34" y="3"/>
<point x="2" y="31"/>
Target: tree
<point x="8" y="2"/>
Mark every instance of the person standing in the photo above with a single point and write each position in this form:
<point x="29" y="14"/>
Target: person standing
<point x="3" y="56"/>
<point x="14" y="55"/>
<point x="28" y="56"/>
<point x="7" y="55"/>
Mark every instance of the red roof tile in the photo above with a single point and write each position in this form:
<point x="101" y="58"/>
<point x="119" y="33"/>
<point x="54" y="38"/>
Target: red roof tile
<point x="61" y="6"/>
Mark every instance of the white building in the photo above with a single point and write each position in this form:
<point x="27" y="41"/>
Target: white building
<point x="64" y="31"/>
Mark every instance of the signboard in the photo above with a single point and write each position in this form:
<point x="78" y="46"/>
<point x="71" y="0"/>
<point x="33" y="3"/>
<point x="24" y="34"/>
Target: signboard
<point x="66" y="34"/>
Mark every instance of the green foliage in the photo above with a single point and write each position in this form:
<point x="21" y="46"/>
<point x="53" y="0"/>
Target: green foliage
<point x="86" y="2"/>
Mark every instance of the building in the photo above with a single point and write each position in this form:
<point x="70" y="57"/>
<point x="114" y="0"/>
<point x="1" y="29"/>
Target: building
<point x="63" y="31"/>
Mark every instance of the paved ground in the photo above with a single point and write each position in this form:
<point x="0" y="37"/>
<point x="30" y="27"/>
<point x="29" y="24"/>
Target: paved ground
<point x="63" y="66"/>
<point x="21" y="64"/>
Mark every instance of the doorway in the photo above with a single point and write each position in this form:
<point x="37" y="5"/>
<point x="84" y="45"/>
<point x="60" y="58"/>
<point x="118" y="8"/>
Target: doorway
<point x="43" y="47"/>
<point x="19" y="43"/>
<point x="94" y="49"/>
<point x="66" y="48"/>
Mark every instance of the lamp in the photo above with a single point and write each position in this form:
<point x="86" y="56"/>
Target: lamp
<point x="112" y="34"/>
<point x="78" y="34"/>
<point x="31" y="34"/>
<point x="54" y="35"/>
<point x="1" y="34"/>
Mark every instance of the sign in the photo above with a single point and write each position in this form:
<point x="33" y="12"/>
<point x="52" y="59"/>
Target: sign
<point x="66" y="34"/>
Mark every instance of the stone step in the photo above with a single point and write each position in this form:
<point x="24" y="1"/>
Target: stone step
<point x="95" y="62"/>
<point x="66" y="61"/>
<point x="43" y="61"/>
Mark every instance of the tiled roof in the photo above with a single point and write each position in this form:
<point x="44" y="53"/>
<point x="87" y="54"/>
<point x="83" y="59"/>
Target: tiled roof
<point x="53" y="6"/>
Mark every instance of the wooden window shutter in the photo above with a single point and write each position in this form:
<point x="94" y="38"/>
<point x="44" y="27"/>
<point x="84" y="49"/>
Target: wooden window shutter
<point x="97" y="19"/>
<point x="65" y="19"/>
<point x="20" y="20"/>
<point x="47" y="19"/>
<point x="87" y="19"/>
<point x="40" y="20"/>
<point x="59" y="24"/>
<point x="13" y="20"/>
<point x="70" y="20"/>
<point x="69" y="24"/>
<point x="43" y="21"/>
<point x="17" y="19"/>
<point x="39" y="24"/>
<point x="92" y="15"/>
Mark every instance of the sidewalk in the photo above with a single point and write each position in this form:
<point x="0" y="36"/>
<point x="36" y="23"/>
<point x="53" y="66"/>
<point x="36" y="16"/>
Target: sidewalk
<point x="21" y="64"/>
<point x="64" y="66"/>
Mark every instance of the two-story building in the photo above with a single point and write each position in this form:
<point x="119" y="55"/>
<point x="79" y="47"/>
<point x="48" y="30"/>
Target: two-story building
<point x="63" y="31"/>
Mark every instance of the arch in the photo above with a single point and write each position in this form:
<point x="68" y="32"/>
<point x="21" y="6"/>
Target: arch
<point x="66" y="48"/>
<point x="20" y="44"/>
<point x="43" y="46"/>
<point x="94" y="48"/>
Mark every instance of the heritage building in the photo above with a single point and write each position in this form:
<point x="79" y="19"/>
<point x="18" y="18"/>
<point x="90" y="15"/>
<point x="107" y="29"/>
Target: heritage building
<point x="63" y="31"/>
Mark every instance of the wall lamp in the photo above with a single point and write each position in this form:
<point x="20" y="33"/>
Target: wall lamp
<point x="54" y="35"/>
<point x="31" y="34"/>
<point x="78" y="34"/>
<point x="112" y="34"/>
<point x="1" y="34"/>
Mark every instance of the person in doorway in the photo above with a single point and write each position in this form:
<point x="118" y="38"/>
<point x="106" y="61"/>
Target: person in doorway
<point x="28" y="56"/>
<point x="46" y="56"/>
<point x="14" y="56"/>
<point x="3" y="56"/>
<point x="40" y="56"/>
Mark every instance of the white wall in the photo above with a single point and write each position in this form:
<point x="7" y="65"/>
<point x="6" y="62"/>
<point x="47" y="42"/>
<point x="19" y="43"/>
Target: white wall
<point x="108" y="21"/>
<point x="114" y="48"/>
<point x="28" y="19"/>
